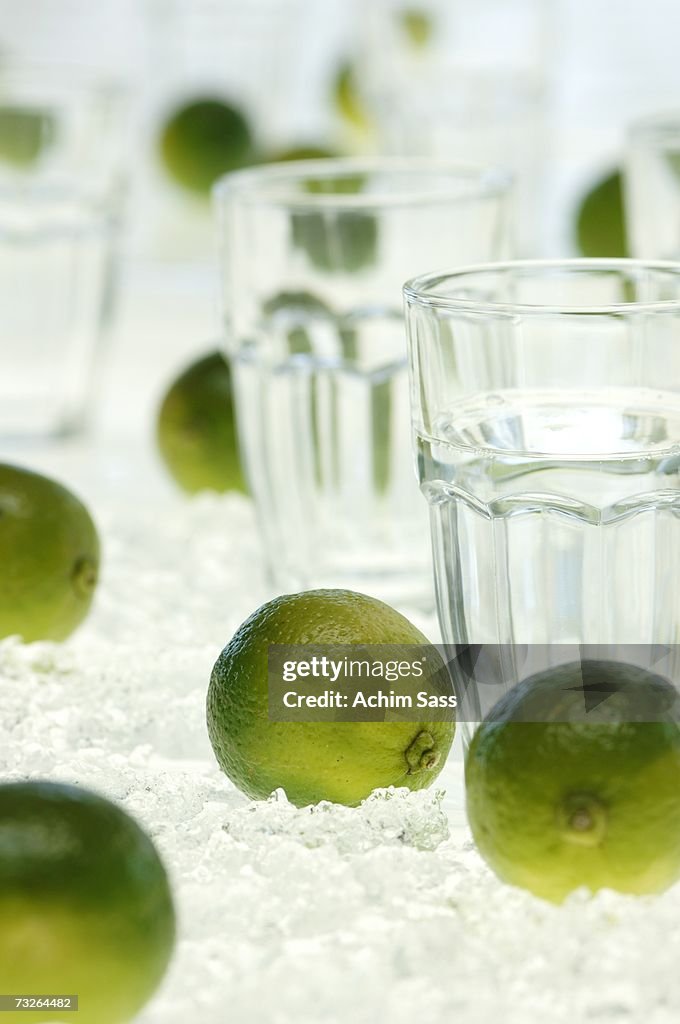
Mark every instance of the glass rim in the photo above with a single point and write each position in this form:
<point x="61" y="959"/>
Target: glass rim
<point x="422" y="289"/>
<point x="250" y="184"/>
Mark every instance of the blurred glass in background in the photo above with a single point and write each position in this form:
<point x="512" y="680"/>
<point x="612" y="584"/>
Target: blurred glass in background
<point x="464" y="80"/>
<point x="62" y="155"/>
<point x="653" y="186"/>
<point x="547" y="86"/>
<point x="616" y="63"/>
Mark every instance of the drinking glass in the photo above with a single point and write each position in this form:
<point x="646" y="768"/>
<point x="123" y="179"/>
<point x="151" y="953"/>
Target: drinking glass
<point x="491" y="116"/>
<point x="546" y="417"/>
<point x="313" y="256"/>
<point x="465" y="79"/>
<point x="56" y="277"/>
<point x="652" y="187"/>
<point x="64" y="127"/>
<point x="62" y="176"/>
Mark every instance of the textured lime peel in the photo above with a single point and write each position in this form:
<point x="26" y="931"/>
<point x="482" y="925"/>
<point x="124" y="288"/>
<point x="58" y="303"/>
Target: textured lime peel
<point x="202" y="140"/>
<point x="564" y="794"/>
<point x="196" y="430"/>
<point x="601" y="219"/>
<point x="85" y="903"/>
<point x="85" y="576"/>
<point x="49" y="552"/>
<point x="342" y="762"/>
<point x="422" y="755"/>
<point x="583" y="819"/>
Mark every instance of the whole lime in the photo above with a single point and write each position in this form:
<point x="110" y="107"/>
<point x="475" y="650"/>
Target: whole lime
<point x="338" y="761"/>
<point x="196" y="428"/>
<point x="25" y="133"/>
<point x="417" y="26"/>
<point x="49" y="552"/>
<point x="203" y="140"/>
<point x="573" y="780"/>
<point x="336" y="241"/>
<point x="85" y="904"/>
<point x="601" y="219"/>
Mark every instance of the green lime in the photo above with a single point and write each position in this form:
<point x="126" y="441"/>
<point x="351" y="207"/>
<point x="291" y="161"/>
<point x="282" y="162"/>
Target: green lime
<point x="673" y="161"/>
<point x="85" y="904"/>
<point x="342" y="762"/>
<point x="338" y="185"/>
<point x="49" y="552"/>
<point x="304" y="152"/>
<point x="202" y="141"/>
<point x="600" y="219"/>
<point x="24" y="134"/>
<point x="347" y="99"/>
<point x="336" y="241"/>
<point x="296" y="314"/>
<point x="573" y="780"/>
<point x="196" y="428"/>
<point x="299" y="313"/>
<point x="417" y="27"/>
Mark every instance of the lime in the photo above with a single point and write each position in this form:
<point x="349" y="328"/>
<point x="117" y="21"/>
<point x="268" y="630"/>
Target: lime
<point x="673" y="161"/>
<point x="573" y="780"/>
<point x="196" y="428"/>
<point x="338" y="185"/>
<point x="85" y="904"/>
<point x="296" y="314"/>
<point x="600" y="220"/>
<point x="303" y="152"/>
<point x="49" y="552"/>
<point x="336" y="241"/>
<point x="24" y="134"/>
<point x="203" y="140"/>
<point x="342" y="762"/>
<point x="347" y="98"/>
<point x="417" y="27"/>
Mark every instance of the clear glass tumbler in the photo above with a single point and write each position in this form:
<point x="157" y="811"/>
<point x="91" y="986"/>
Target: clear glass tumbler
<point x="62" y="180"/>
<point x="313" y="259"/>
<point x="465" y="80"/>
<point x="489" y="117"/>
<point x="63" y="127"/>
<point x="56" y="279"/>
<point x="546" y="414"/>
<point x="652" y="187"/>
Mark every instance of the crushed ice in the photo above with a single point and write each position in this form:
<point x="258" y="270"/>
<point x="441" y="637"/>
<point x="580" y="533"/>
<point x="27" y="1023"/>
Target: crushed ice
<point x="286" y="914"/>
